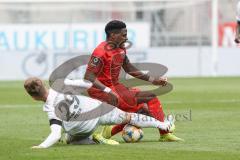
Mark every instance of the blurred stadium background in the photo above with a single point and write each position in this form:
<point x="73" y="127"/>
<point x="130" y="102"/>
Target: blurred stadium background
<point x="192" y="38"/>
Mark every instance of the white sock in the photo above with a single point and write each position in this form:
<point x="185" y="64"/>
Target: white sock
<point x="144" y="121"/>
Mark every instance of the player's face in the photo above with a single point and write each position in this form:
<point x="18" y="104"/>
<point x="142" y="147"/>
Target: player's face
<point x="121" y="36"/>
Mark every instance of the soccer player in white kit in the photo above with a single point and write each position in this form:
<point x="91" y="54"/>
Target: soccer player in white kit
<point x="237" y="39"/>
<point x="80" y="127"/>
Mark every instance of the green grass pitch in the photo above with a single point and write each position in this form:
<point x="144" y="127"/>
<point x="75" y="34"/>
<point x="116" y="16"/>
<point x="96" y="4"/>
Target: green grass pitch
<point x="208" y="112"/>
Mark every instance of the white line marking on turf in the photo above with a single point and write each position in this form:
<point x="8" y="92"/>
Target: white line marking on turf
<point x="166" y="102"/>
<point x="204" y="101"/>
<point x="18" y="106"/>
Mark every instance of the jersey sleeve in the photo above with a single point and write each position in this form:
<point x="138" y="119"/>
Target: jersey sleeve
<point x="50" y="110"/>
<point x="238" y="12"/>
<point x="96" y="62"/>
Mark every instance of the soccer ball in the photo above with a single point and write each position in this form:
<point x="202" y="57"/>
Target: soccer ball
<point x="132" y="134"/>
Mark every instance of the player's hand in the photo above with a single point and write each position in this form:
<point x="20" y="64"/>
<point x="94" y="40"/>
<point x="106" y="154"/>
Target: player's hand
<point x="37" y="147"/>
<point x="114" y="98"/>
<point x="160" y="81"/>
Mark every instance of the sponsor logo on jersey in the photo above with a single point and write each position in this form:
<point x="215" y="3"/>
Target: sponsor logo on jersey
<point x="95" y="61"/>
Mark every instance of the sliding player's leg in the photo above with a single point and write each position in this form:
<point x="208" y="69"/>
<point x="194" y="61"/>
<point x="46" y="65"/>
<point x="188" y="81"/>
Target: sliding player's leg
<point x="79" y="139"/>
<point x="117" y="116"/>
<point x="83" y="139"/>
<point x="84" y="132"/>
<point x="143" y="101"/>
<point x="109" y="131"/>
<point x="155" y="109"/>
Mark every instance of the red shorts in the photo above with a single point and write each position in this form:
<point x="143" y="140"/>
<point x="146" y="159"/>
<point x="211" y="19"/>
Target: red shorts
<point x="127" y="100"/>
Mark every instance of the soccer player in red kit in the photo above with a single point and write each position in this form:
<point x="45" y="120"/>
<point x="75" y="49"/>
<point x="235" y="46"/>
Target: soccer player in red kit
<point x="103" y="71"/>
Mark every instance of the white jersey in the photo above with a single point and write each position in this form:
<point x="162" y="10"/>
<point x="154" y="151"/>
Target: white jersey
<point x="238" y="12"/>
<point x="84" y="104"/>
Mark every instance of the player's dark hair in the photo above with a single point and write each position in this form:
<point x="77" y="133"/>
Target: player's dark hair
<point x="114" y="26"/>
<point x="34" y="86"/>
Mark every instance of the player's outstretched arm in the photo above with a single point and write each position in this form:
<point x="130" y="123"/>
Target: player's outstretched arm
<point x="97" y="84"/>
<point x="53" y="137"/>
<point x="94" y="68"/>
<point x="133" y="71"/>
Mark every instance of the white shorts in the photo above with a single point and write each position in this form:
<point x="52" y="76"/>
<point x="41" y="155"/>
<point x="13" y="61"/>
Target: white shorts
<point x="80" y="127"/>
<point x="116" y="116"/>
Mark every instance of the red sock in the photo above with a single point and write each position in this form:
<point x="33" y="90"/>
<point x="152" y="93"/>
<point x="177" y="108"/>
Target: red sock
<point x="118" y="128"/>
<point x="155" y="109"/>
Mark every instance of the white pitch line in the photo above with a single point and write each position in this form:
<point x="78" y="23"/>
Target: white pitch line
<point x="165" y="102"/>
<point x="18" y="106"/>
<point x="204" y="101"/>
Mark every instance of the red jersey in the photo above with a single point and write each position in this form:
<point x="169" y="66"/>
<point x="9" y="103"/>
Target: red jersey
<point x="106" y="64"/>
